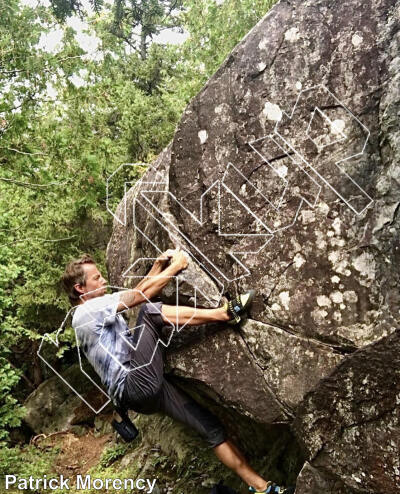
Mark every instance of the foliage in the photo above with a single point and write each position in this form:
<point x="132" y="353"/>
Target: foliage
<point x="134" y="21"/>
<point x="27" y="461"/>
<point x="137" y="21"/>
<point x="65" y="8"/>
<point x="10" y="412"/>
<point x="113" y="453"/>
<point x="215" y="28"/>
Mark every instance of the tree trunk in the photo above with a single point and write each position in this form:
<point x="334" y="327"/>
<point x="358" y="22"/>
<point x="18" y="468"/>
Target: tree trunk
<point x="143" y="45"/>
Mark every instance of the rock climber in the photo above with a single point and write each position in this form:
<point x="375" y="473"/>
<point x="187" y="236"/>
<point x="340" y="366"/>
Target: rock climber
<point x="131" y="366"/>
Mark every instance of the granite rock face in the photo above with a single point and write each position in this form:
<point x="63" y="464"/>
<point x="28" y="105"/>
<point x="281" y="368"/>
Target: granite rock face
<point x="284" y="176"/>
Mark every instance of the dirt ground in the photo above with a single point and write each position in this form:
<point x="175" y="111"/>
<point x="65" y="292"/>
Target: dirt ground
<point x="77" y="453"/>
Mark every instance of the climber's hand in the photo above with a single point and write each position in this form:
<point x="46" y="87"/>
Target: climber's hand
<point x="180" y="259"/>
<point x="166" y="256"/>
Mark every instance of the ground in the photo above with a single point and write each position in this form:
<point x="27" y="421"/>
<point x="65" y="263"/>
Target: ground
<point x="180" y="461"/>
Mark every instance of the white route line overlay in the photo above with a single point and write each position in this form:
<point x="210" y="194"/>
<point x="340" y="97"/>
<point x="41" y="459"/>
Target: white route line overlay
<point x="201" y="222"/>
<point x="55" y="342"/>
<point x="178" y="235"/>
<point x="173" y="230"/>
<point x="144" y="194"/>
<point x="337" y="163"/>
<point x="126" y="190"/>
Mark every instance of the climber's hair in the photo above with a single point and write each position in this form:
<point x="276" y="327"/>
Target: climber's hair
<point x="74" y="273"/>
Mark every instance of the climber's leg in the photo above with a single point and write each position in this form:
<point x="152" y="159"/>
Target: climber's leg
<point x="177" y="404"/>
<point x="180" y="406"/>
<point x="190" y="315"/>
<point x="147" y="390"/>
<point x="146" y="376"/>
<point x="231" y="312"/>
<point x="144" y="380"/>
<point x="229" y="454"/>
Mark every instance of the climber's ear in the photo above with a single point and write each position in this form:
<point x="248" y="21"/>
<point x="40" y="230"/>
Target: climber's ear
<point x="79" y="288"/>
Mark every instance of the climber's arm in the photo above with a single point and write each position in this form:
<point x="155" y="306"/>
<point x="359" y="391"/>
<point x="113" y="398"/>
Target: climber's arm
<point x="148" y="287"/>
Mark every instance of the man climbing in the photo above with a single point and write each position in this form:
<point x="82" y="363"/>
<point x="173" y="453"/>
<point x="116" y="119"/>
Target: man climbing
<point x="131" y="367"/>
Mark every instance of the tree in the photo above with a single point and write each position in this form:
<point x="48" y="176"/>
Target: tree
<point x="216" y="27"/>
<point x="141" y="20"/>
<point x="65" y="8"/>
<point x="134" y="21"/>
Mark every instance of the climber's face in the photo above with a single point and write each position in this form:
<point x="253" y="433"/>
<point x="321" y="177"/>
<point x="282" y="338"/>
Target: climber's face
<point x="95" y="285"/>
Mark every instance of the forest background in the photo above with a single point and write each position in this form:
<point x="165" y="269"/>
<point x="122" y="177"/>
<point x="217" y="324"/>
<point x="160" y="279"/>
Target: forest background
<point x="71" y="113"/>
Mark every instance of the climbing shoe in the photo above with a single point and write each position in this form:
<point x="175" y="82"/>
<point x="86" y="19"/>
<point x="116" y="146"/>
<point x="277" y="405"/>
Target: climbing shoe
<point x="238" y="306"/>
<point x="273" y="489"/>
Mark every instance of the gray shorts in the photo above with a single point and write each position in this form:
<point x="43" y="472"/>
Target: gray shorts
<point x="147" y="390"/>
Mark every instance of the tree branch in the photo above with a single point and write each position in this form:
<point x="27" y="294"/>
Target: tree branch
<point x="39" y="239"/>
<point x="28" y="381"/>
<point x="14" y="71"/>
<point x="171" y="8"/>
<point x="25" y="153"/>
<point x="28" y="184"/>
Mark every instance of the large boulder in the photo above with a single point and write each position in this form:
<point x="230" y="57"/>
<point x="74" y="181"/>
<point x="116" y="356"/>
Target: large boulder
<point x="349" y="426"/>
<point x="55" y="406"/>
<point x="284" y="176"/>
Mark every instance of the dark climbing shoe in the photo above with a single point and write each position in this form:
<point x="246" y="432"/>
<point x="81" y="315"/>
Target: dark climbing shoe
<point x="222" y="489"/>
<point x="238" y="306"/>
<point x="273" y="489"/>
